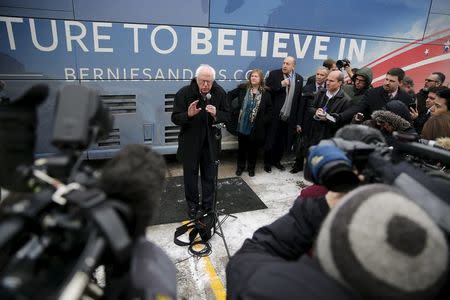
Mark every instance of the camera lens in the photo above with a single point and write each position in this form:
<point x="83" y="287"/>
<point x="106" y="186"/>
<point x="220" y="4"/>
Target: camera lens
<point x="338" y="176"/>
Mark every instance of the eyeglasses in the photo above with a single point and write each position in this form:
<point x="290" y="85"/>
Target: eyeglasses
<point x="430" y="80"/>
<point x="203" y="82"/>
<point x="360" y="80"/>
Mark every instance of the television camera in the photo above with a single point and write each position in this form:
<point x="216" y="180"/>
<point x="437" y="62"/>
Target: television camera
<point x="348" y="160"/>
<point x="58" y="225"/>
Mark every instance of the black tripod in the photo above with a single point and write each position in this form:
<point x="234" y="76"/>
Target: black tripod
<point x="218" y="223"/>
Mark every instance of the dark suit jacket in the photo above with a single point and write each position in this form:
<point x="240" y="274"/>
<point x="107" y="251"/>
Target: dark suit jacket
<point x="309" y="91"/>
<point x="311" y="80"/>
<point x="326" y="129"/>
<point x="374" y="99"/>
<point x="197" y="130"/>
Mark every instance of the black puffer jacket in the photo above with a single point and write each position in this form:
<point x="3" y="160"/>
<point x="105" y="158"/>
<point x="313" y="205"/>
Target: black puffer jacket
<point x="271" y="264"/>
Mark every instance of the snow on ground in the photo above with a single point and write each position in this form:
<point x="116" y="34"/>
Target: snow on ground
<point x="195" y="280"/>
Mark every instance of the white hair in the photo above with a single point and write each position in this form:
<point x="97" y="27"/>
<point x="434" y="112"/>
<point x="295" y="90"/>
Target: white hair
<point x="322" y="68"/>
<point x="205" y="67"/>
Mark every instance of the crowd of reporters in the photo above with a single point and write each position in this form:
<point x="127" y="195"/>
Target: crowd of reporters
<point x="301" y="116"/>
<point x="281" y="259"/>
<point x="329" y="246"/>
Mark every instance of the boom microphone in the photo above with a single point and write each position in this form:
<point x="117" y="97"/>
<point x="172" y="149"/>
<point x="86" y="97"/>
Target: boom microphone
<point x="135" y="176"/>
<point x="362" y="133"/>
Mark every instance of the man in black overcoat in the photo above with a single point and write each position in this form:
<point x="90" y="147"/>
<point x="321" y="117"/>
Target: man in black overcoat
<point x="287" y="114"/>
<point x="377" y="98"/>
<point x="309" y="90"/>
<point x="197" y="107"/>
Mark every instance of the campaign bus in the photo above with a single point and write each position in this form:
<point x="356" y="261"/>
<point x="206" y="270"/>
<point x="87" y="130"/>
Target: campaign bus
<point x="139" y="53"/>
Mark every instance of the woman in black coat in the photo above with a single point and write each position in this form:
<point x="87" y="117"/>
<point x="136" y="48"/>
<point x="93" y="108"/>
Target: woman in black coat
<point x="251" y="115"/>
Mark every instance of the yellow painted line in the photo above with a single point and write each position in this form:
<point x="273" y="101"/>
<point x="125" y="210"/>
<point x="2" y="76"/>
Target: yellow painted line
<point x="216" y="284"/>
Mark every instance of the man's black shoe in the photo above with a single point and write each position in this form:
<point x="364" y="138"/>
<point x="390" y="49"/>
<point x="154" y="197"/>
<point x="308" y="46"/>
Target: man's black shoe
<point x="295" y="169"/>
<point x="201" y="212"/>
<point x="279" y="166"/>
<point x="268" y="168"/>
<point x="239" y="171"/>
<point x="192" y="213"/>
<point x="251" y="173"/>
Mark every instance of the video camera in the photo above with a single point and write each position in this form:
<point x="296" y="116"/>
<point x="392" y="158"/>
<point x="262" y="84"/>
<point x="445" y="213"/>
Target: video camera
<point x="59" y="223"/>
<point x="342" y="63"/>
<point x="341" y="165"/>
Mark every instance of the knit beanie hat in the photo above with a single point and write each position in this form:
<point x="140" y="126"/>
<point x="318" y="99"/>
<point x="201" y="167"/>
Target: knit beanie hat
<point x="399" y="108"/>
<point x="383" y="246"/>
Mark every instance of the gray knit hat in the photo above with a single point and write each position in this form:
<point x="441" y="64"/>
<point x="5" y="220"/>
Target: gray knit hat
<point x="382" y="245"/>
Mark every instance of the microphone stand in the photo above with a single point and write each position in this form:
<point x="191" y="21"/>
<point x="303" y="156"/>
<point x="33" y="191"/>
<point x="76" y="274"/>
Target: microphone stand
<point x="216" y="163"/>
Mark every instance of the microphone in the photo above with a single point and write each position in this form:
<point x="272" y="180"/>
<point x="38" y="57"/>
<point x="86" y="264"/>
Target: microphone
<point x="204" y="101"/>
<point x="135" y="176"/>
<point x="362" y="133"/>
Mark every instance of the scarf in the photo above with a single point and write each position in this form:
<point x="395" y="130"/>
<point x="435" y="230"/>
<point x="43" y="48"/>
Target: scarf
<point x="286" y="109"/>
<point x="248" y="112"/>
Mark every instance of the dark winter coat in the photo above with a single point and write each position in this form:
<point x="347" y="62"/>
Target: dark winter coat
<point x="421" y="120"/>
<point x="197" y="130"/>
<point x="421" y="97"/>
<point x="374" y="99"/>
<point x="272" y="264"/>
<point x="326" y="129"/>
<point x="263" y="117"/>
<point x="278" y="94"/>
<point x="309" y="91"/>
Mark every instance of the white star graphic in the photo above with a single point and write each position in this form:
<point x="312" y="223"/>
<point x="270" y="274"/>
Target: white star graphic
<point x="446" y="45"/>
<point x="426" y="51"/>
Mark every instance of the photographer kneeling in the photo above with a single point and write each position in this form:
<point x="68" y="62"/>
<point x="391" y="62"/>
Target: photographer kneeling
<point x="374" y="244"/>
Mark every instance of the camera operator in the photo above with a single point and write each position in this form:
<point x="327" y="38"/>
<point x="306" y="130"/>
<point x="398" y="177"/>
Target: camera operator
<point x="61" y="228"/>
<point x="367" y="243"/>
<point x="363" y="249"/>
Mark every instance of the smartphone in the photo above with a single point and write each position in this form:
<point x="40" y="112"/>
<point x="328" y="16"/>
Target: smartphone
<point x="412" y="105"/>
<point x="359" y="117"/>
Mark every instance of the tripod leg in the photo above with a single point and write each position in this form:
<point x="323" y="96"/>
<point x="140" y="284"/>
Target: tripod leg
<point x="219" y="224"/>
